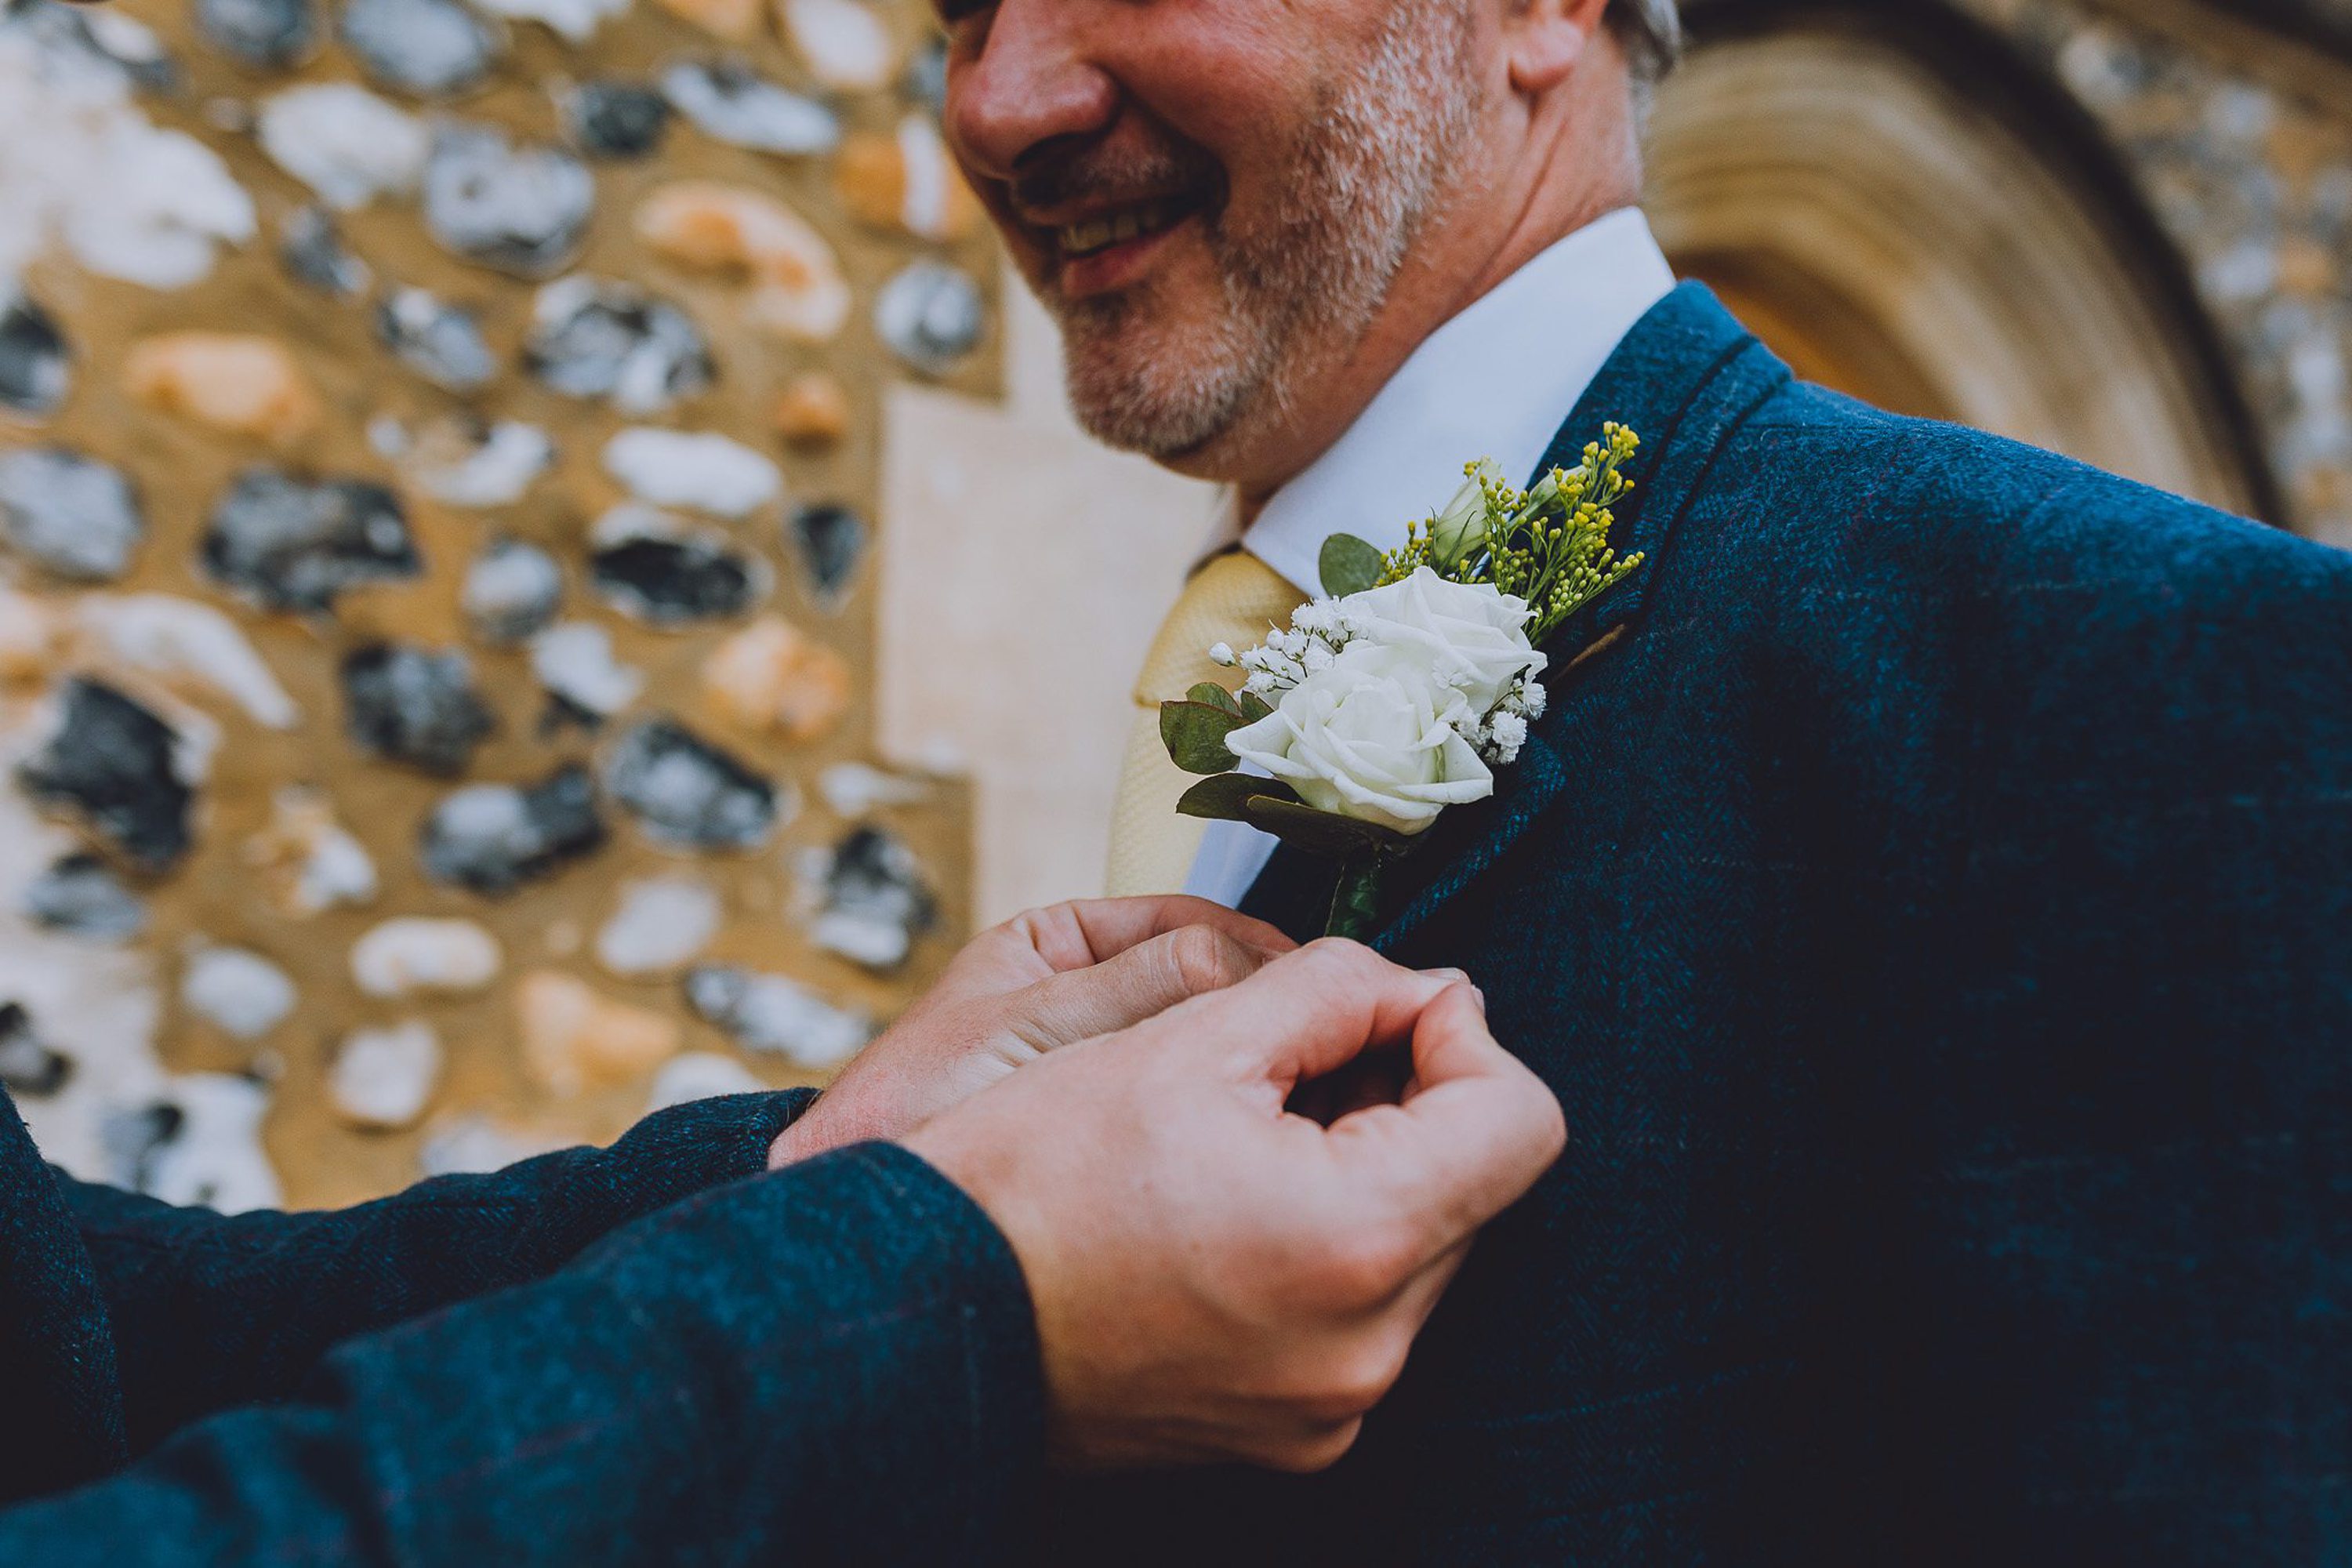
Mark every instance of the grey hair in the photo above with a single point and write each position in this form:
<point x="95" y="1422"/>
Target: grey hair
<point x="1651" y="32"/>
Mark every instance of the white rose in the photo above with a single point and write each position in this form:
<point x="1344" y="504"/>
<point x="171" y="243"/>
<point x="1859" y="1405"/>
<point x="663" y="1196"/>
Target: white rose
<point x="1372" y="736"/>
<point x="1466" y="634"/>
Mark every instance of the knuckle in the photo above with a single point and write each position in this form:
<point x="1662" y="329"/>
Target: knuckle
<point x="1205" y="959"/>
<point x="1350" y="963"/>
<point x="1338" y="950"/>
<point x="1046" y="927"/>
<point x="1363" y="1266"/>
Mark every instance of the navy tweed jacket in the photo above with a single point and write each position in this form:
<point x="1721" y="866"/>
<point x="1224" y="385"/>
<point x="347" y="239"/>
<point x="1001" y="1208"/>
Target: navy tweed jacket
<point x="646" y="1354"/>
<point x="1935" y="914"/>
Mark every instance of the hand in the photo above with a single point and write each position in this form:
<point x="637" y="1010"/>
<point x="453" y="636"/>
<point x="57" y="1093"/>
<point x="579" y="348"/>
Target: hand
<point x="1042" y="980"/>
<point x="1216" y="1277"/>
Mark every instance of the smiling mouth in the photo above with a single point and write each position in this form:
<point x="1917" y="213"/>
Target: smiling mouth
<point x="1108" y="231"/>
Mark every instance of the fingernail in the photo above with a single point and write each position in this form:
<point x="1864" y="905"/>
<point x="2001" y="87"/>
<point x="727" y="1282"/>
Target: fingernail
<point x="1457" y="976"/>
<point x="1481" y="996"/>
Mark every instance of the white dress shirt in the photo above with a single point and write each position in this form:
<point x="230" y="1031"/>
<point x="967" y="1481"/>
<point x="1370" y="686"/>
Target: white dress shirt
<point x="1494" y="382"/>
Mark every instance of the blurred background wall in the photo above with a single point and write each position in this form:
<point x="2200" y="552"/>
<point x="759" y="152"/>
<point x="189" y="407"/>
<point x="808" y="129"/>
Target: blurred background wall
<point x="542" y="570"/>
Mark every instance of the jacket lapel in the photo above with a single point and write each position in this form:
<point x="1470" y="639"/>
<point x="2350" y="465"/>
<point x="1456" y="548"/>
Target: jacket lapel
<point x="1684" y="378"/>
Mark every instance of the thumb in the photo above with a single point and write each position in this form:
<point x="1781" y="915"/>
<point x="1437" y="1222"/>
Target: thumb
<point x="1308" y="1013"/>
<point x="1140" y="982"/>
<point x="1468" y="1141"/>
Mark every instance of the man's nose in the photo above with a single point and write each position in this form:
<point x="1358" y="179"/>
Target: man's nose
<point x="1034" y="79"/>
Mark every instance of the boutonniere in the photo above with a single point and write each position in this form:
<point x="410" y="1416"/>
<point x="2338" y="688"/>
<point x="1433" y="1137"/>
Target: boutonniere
<point x="1399" y="692"/>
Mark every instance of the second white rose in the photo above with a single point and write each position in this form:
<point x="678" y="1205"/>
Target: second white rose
<point x="1467" y="635"/>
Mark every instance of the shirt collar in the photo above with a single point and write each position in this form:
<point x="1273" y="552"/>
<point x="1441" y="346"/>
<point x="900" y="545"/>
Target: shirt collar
<point x="1494" y="382"/>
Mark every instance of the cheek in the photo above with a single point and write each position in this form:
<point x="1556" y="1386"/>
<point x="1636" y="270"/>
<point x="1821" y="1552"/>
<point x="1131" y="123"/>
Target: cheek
<point x="1241" y="78"/>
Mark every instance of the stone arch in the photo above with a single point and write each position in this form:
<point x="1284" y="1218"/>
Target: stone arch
<point x="1910" y="211"/>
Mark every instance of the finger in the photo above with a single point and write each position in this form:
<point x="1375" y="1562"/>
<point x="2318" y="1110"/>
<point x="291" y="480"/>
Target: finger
<point x="1468" y="1141"/>
<point x="1142" y="983"/>
<point x="1304" y="1015"/>
<point x="1090" y="930"/>
<point x="1376" y="1077"/>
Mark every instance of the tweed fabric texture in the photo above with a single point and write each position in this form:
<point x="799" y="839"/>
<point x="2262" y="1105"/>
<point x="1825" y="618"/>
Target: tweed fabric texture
<point x="642" y="1354"/>
<point x="1933" y="917"/>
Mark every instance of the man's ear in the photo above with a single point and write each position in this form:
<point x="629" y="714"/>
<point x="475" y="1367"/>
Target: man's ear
<point x="1546" y="38"/>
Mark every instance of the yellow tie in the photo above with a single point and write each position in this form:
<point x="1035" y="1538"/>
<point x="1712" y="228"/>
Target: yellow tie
<point x="1236" y="598"/>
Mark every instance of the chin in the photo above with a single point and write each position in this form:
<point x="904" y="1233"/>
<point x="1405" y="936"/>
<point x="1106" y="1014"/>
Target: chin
<point x="1169" y="394"/>
<point x="1162" y="412"/>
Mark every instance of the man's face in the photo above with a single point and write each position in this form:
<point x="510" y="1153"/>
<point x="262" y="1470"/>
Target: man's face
<point x="1212" y="195"/>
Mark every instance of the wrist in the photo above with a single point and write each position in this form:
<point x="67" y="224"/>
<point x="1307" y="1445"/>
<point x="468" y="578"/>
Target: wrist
<point x="802" y="1137"/>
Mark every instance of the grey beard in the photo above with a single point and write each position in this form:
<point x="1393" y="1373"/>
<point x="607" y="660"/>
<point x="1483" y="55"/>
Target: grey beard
<point x="1365" y="180"/>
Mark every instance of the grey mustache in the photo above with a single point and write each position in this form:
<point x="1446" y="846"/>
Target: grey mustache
<point x="1085" y="178"/>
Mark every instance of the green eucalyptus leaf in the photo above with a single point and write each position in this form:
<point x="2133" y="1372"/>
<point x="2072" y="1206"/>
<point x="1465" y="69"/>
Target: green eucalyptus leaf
<point x="1321" y="832"/>
<point x="1349" y="565"/>
<point x="1228" y="797"/>
<point x="1212" y="695"/>
<point x="1253" y="707"/>
<point x="1194" y="734"/>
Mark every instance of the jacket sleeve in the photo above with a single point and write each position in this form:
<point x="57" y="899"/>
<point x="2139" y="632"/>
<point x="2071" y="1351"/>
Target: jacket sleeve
<point x="836" y="1363"/>
<point x="211" y="1311"/>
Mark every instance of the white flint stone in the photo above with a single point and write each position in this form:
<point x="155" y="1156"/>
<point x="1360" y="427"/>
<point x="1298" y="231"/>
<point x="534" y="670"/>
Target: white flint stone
<point x="339" y="871"/>
<point x="498" y="472"/>
<point x="866" y="897"/>
<point x="662" y="923"/>
<point x="214" y="1159"/>
<point x="594" y="338"/>
<point x="575" y="660"/>
<point x="330" y="868"/>
<point x="440" y="340"/>
<point x="415" y="955"/>
<point x="78" y="516"/>
<point x="241" y="991"/>
<point x="99" y="1000"/>
<point x="729" y="102"/>
<point x="344" y="143"/>
<point x="166" y="202"/>
<point x="513" y="590"/>
<point x="520" y="207"/>
<point x="876" y="943"/>
<point x="701" y="1075"/>
<point x="576" y="21"/>
<point x="927" y="204"/>
<point x="846" y="43"/>
<point x="856" y="789"/>
<point x="470" y="1145"/>
<point x="168" y="637"/>
<point x="81" y="165"/>
<point x="703" y="471"/>
<point x="384" y="1079"/>
<point x="775" y="1015"/>
<point x="126" y="39"/>
<point x="931" y="315"/>
<point x="434" y="49"/>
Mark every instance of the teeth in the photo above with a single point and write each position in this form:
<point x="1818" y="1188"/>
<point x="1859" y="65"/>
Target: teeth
<point x="1100" y="234"/>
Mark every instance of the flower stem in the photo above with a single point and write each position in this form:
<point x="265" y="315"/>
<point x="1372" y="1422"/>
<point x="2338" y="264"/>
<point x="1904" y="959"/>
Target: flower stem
<point x="1356" y="903"/>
